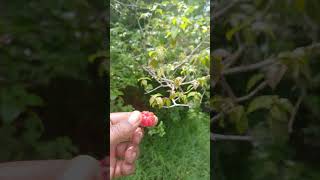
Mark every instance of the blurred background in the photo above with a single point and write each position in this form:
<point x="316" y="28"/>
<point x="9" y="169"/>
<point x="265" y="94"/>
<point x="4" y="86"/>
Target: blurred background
<point x="265" y="89"/>
<point x="52" y="98"/>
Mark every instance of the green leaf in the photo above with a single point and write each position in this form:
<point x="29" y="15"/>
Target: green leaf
<point x="152" y="100"/>
<point x="144" y="78"/>
<point x="167" y="101"/>
<point x="174" y="21"/>
<point x="14" y="100"/>
<point x="114" y="94"/>
<point x="151" y="53"/>
<point x="254" y="80"/>
<point x="159" y="130"/>
<point x="153" y="63"/>
<point x="274" y="74"/>
<point x="194" y="94"/>
<point x="277" y="114"/>
<point x="236" y="29"/>
<point x="9" y="110"/>
<point x="144" y="82"/>
<point x="183" y="26"/>
<point x="285" y="105"/>
<point x="160" y="11"/>
<point x="238" y="116"/>
<point x="159" y="102"/>
<point x="177" y="81"/>
<point x="174" y="33"/>
<point x="260" y="102"/>
<point x="184" y="98"/>
<point x="242" y="125"/>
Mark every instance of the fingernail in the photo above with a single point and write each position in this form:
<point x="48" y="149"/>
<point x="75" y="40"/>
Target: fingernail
<point x="134" y="119"/>
<point x="131" y="149"/>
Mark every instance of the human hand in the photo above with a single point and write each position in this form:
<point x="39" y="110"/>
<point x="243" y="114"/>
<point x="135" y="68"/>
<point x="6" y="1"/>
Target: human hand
<point x="125" y="137"/>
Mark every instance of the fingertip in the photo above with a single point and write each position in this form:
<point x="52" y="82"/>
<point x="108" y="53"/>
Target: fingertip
<point x="137" y="136"/>
<point x="131" y="154"/>
<point x="134" y="118"/>
<point x="156" y="120"/>
<point x="128" y="168"/>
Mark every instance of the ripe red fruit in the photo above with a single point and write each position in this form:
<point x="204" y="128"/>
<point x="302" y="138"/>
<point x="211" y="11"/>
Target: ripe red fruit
<point x="148" y="119"/>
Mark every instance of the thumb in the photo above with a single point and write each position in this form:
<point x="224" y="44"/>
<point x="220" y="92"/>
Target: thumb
<point x="123" y="130"/>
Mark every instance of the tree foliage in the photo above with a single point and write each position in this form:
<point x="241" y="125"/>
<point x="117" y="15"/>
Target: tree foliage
<point x="159" y="61"/>
<point x="41" y="42"/>
<point x="265" y="88"/>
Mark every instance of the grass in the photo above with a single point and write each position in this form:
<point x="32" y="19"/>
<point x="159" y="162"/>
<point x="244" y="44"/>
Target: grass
<point x="183" y="153"/>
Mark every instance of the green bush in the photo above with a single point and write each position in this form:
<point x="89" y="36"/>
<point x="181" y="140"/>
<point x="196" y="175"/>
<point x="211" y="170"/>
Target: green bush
<point x="159" y="55"/>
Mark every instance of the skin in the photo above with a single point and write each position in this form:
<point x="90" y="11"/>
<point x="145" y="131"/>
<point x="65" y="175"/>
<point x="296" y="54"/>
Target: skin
<point x="125" y="137"/>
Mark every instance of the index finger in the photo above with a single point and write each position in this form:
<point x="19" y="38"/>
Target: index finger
<point x="119" y="116"/>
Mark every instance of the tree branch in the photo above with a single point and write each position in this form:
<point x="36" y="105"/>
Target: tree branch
<point x="294" y="112"/>
<point x="224" y="10"/>
<point x="228" y="88"/>
<point x="234" y="57"/>
<point x="254" y="92"/>
<point x="176" y="105"/>
<point x="220" y="137"/>
<point x="216" y="117"/>
<point x="245" y="68"/>
<point x="155" y="89"/>
<point x="188" y="57"/>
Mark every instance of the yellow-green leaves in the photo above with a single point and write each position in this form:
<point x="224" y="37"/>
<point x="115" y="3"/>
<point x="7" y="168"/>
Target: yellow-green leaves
<point x="185" y="22"/>
<point x="177" y="57"/>
<point x="177" y="82"/>
<point x="174" y="21"/>
<point x="156" y="100"/>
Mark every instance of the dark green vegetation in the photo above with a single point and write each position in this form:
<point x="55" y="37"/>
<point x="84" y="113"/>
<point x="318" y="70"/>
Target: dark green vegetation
<point x="51" y="101"/>
<point x="148" y="41"/>
<point x="266" y="90"/>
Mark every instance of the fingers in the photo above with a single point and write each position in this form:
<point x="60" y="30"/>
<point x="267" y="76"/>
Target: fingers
<point x="123" y="130"/>
<point x="123" y="169"/>
<point x="121" y="149"/>
<point x="128" y="152"/>
<point x="131" y="154"/>
<point x="137" y="136"/>
<point x="119" y="116"/>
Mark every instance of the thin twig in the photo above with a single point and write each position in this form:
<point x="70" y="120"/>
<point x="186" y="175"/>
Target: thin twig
<point x="294" y="112"/>
<point x="176" y="105"/>
<point x="155" y="89"/>
<point x="234" y="57"/>
<point x="228" y="88"/>
<point x="251" y="67"/>
<point x="221" y="137"/>
<point x="253" y="93"/>
<point x="188" y="57"/>
<point x="224" y="10"/>
<point x="216" y="117"/>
